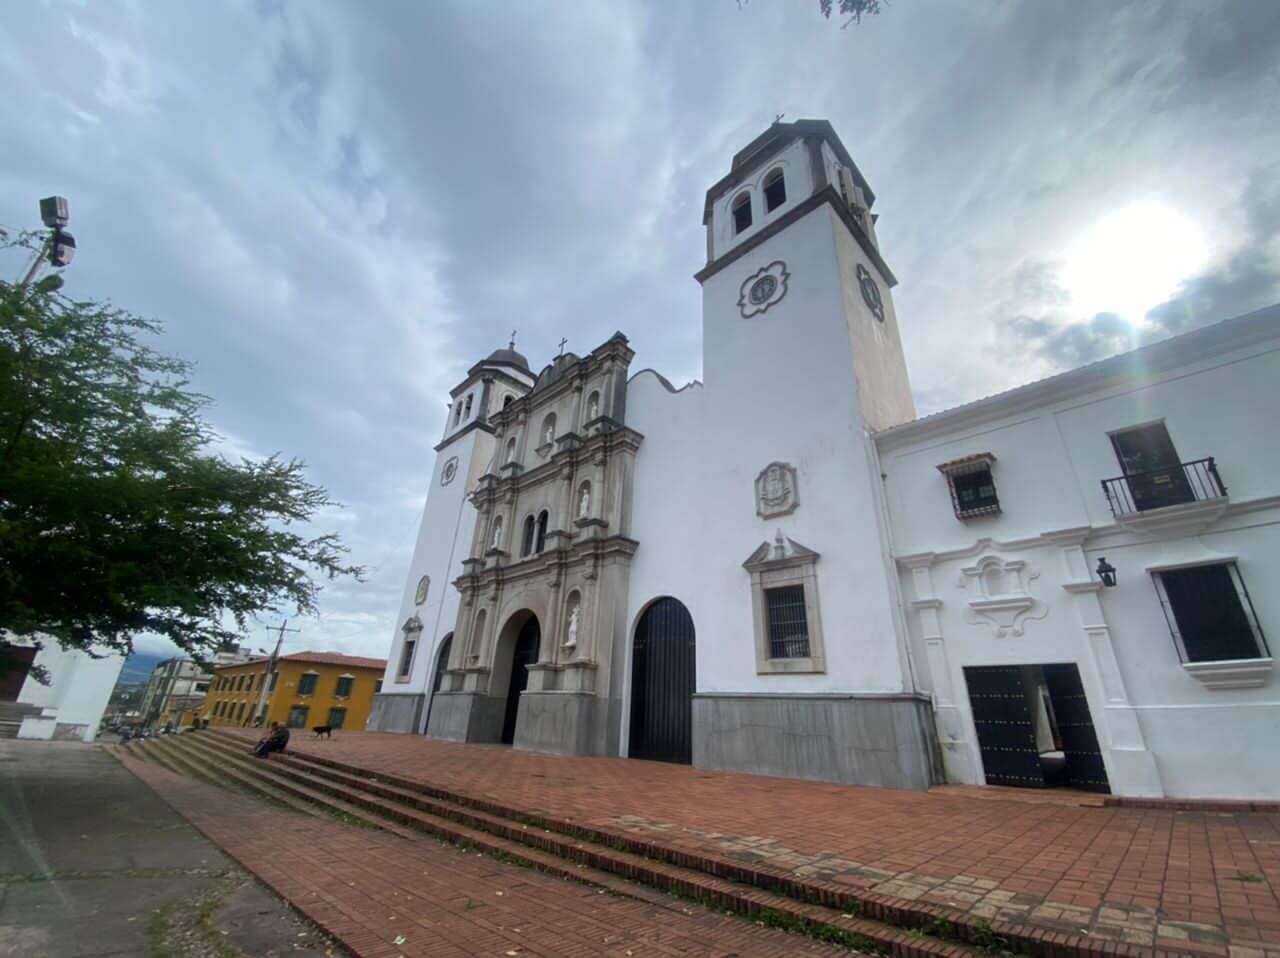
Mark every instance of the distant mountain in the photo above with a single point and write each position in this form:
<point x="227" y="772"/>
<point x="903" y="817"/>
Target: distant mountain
<point x="138" y="667"/>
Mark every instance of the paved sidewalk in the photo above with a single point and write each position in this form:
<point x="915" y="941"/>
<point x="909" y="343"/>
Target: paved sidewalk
<point x="92" y="863"/>
<point x="389" y="897"/>
<point x="1205" y="882"/>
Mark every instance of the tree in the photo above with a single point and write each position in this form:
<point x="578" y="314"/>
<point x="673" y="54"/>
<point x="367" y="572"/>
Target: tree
<point x="115" y="517"/>
<point x="855" y="10"/>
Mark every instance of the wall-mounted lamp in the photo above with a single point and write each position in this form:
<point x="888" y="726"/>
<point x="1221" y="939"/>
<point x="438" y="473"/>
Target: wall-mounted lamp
<point x="1106" y="572"/>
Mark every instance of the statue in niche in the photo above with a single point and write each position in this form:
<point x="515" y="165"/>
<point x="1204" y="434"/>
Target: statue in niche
<point x="497" y="535"/>
<point x="549" y="434"/>
<point x="571" y="642"/>
<point x="593" y="407"/>
<point x="584" y="503"/>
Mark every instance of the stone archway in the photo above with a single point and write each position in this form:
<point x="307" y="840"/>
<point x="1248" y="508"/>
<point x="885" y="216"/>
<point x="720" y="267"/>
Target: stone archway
<point x="442" y="663"/>
<point x="517" y="650"/>
<point x="663" y="680"/>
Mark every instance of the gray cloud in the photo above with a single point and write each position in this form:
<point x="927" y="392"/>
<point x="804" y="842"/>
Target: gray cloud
<point x="337" y="208"/>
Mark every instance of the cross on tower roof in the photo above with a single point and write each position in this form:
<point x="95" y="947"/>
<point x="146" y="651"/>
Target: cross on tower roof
<point x="512" y="344"/>
<point x="562" y="343"/>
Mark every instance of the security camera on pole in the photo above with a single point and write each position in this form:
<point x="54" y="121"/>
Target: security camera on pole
<point x="59" y="246"/>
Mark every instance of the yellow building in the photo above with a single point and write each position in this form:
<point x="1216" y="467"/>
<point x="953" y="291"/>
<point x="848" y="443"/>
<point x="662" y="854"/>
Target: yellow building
<point x="305" y="690"/>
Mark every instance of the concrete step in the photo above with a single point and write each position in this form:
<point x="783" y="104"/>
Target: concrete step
<point x="579" y="856"/>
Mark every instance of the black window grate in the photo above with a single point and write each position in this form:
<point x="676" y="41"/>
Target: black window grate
<point x="788" y="622"/>
<point x="307" y="684"/>
<point x="343" y="689"/>
<point x="974" y="494"/>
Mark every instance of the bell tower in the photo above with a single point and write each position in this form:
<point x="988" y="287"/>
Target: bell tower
<point x="429" y="602"/>
<point x="795" y="277"/>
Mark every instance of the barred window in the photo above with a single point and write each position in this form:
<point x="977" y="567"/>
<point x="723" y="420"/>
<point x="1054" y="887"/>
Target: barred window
<point x="336" y="717"/>
<point x="307" y="684"/>
<point x="343" y="689"/>
<point x="298" y="716"/>
<point x="788" y="623"/>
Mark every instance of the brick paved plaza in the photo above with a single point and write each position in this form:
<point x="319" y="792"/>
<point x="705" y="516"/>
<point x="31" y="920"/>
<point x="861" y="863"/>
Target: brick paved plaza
<point x="1201" y="882"/>
<point x="387" y="897"/>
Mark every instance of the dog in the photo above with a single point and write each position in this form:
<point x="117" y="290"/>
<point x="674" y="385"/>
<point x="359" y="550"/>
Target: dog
<point x="325" y="730"/>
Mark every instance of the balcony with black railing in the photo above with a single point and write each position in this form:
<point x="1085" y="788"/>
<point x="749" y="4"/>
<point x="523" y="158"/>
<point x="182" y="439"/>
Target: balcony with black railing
<point x="1172" y="485"/>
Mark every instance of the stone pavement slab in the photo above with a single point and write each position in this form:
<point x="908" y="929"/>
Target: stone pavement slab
<point x="1201" y="881"/>
<point x="390" y="897"/>
<point x="92" y="863"/>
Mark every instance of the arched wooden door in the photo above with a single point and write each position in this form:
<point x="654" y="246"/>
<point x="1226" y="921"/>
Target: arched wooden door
<point x="442" y="663"/>
<point x="662" y="683"/>
<point x="523" y="656"/>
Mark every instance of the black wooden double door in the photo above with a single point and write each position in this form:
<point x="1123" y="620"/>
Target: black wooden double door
<point x="662" y="684"/>
<point x="1003" y="718"/>
<point x="523" y="656"/>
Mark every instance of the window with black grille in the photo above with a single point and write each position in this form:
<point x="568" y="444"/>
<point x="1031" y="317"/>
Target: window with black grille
<point x="973" y="488"/>
<point x="298" y="716"/>
<point x="788" y="623"/>
<point x="343" y="688"/>
<point x="307" y="684"/>
<point x="336" y="717"/>
<point x="1210" y="613"/>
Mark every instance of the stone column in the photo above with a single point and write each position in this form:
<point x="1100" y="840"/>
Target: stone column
<point x="958" y="752"/>
<point x="1131" y="767"/>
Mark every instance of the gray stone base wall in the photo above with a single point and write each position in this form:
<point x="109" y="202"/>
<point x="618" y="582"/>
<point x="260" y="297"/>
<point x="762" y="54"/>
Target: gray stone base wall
<point x="395" y="713"/>
<point x="885" y="740"/>
<point x="466" y="717"/>
<point x="564" y="723"/>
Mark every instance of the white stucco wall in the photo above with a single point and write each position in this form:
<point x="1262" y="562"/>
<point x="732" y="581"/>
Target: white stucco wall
<point x="1163" y="731"/>
<point x="778" y="387"/>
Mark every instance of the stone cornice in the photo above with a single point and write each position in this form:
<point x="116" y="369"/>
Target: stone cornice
<point x="620" y="439"/>
<point x="828" y="195"/>
<point x="550" y="562"/>
<point x="469" y="427"/>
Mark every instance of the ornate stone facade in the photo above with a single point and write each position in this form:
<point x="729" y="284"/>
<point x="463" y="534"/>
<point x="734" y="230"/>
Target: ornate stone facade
<point x="552" y="541"/>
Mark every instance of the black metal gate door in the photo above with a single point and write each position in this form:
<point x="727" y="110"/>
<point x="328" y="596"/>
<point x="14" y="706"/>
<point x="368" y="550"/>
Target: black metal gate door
<point x="1006" y="733"/>
<point x="524" y="655"/>
<point x="662" y="684"/>
<point x="1085" y="767"/>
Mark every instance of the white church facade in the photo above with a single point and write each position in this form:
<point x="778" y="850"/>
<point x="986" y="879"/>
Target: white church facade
<point x="781" y="569"/>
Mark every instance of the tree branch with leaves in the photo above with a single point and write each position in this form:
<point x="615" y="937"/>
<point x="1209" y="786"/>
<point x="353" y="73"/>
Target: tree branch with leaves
<point x="115" y="517"/>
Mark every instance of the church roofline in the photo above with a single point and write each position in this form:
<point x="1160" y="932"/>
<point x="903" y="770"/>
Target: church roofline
<point x="779" y="135"/>
<point x="1204" y="344"/>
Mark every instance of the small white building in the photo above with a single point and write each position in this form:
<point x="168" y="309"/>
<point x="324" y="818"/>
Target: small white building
<point x="70" y="703"/>
<point x="782" y="570"/>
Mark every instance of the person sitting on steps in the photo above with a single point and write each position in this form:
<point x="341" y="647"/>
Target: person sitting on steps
<point x="274" y="741"/>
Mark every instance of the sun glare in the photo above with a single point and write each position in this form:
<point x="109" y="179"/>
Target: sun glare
<point x="1132" y="260"/>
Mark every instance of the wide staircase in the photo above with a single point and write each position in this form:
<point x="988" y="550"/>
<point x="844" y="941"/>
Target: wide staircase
<point x="11" y="716"/>
<point x="620" y="864"/>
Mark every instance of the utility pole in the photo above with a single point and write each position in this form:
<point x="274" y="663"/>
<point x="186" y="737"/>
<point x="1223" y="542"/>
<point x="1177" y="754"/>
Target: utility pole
<point x="271" y="667"/>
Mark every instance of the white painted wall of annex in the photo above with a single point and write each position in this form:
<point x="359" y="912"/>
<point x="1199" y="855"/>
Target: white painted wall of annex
<point x="1050" y="462"/>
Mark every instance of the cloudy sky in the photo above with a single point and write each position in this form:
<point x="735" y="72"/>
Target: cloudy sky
<point x="335" y="208"/>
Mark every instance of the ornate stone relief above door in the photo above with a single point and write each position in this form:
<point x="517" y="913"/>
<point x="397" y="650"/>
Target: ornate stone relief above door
<point x="777" y="493"/>
<point x="1000" y="595"/>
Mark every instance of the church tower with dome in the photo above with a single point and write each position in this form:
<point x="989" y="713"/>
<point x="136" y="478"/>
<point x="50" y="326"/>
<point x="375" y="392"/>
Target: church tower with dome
<point x="429" y="604"/>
